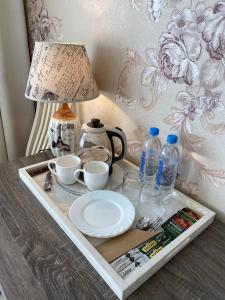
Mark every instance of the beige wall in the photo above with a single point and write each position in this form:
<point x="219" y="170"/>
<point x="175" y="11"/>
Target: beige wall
<point x="157" y="63"/>
<point x="3" y="154"/>
<point x="16" y="112"/>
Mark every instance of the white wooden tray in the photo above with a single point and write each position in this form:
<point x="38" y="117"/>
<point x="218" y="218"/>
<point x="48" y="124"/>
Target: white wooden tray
<point x="57" y="203"/>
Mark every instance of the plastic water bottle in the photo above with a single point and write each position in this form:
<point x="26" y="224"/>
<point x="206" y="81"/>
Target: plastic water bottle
<point x="150" y="155"/>
<point x="167" y="166"/>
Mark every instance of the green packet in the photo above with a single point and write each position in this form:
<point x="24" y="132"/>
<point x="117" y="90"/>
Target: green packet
<point x="150" y="244"/>
<point x="150" y="250"/>
<point x="191" y="214"/>
<point x="172" y="228"/>
<point x="163" y="244"/>
<point x="177" y="224"/>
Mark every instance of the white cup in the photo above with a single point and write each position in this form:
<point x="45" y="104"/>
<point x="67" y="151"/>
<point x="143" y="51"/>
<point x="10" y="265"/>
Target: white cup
<point x="65" y="167"/>
<point x="96" y="174"/>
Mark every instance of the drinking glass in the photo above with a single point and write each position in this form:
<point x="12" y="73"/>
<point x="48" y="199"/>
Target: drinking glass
<point x="150" y="202"/>
<point x="131" y="186"/>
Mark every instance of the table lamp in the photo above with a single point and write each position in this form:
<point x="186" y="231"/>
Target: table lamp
<point x="61" y="73"/>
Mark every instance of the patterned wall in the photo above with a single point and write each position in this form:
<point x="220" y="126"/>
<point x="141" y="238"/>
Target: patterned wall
<point x="157" y="62"/>
<point x="40" y="26"/>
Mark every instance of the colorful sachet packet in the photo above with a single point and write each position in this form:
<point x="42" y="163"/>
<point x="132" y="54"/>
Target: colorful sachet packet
<point x="172" y="228"/>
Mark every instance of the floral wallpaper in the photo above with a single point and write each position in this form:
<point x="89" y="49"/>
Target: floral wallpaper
<point x="191" y="33"/>
<point x="157" y="62"/>
<point x="154" y="9"/>
<point x="41" y="27"/>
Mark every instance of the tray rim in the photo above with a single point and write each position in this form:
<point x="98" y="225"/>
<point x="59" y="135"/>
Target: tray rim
<point x="122" y="288"/>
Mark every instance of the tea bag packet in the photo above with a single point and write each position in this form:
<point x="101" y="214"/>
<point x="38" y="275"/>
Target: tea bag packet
<point x="117" y="246"/>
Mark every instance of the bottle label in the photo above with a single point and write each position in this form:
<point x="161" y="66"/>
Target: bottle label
<point x="142" y="164"/>
<point x="166" y="173"/>
<point x="150" y="163"/>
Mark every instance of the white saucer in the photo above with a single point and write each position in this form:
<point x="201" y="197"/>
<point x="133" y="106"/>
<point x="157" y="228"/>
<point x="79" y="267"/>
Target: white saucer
<point x="115" y="180"/>
<point x="102" y="213"/>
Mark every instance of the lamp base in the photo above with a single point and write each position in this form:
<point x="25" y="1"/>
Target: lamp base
<point x="63" y="132"/>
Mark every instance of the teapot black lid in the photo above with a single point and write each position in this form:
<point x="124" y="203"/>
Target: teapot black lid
<point x="95" y="123"/>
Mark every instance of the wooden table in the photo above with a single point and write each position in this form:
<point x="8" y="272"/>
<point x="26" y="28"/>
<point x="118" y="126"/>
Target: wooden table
<point x="38" y="261"/>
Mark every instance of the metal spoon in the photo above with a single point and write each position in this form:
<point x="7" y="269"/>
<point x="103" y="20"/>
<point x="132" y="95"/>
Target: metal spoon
<point x="149" y="224"/>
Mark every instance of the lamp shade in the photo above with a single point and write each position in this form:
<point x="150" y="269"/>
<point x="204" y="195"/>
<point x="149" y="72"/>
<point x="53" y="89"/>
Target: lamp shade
<point x="60" y="73"/>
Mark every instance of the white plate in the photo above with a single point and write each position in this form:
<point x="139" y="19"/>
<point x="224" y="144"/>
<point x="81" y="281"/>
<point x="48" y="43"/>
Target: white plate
<point x="102" y="214"/>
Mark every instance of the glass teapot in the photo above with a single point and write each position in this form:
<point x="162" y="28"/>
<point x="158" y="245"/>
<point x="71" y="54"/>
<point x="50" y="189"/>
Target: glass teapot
<point x="96" y="143"/>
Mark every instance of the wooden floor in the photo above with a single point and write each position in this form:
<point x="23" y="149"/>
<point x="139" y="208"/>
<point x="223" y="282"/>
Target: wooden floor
<point x="38" y="261"/>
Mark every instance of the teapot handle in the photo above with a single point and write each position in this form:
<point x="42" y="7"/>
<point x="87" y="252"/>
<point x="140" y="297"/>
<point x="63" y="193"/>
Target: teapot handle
<point x="117" y="132"/>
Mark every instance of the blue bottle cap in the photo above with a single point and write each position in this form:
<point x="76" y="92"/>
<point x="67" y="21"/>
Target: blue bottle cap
<point x="153" y="131"/>
<point x="171" y="139"/>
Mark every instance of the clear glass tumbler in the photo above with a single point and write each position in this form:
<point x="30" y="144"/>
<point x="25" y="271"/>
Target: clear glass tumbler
<point x="131" y="186"/>
<point x="150" y="203"/>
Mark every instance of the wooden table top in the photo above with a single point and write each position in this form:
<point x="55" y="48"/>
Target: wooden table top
<point x="38" y="261"/>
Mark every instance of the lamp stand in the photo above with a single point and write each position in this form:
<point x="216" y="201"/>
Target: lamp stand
<point x="64" y="128"/>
